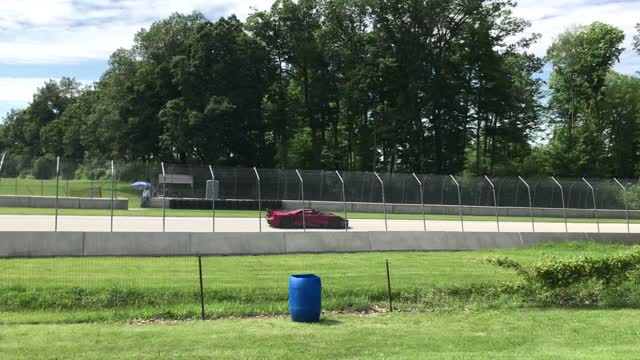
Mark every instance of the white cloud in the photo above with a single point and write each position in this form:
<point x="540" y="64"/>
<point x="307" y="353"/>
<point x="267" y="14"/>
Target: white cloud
<point x="71" y="31"/>
<point x="68" y="31"/>
<point x="21" y="90"/>
<point x="552" y="17"/>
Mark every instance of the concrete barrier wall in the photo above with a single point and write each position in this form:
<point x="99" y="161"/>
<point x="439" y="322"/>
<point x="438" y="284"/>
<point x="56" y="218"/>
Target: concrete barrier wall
<point x="338" y="207"/>
<point x="40" y="244"/>
<point x="24" y="201"/>
<point x="49" y="244"/>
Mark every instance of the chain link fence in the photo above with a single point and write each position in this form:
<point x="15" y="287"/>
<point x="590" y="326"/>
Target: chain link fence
<point x="186" y="186"/>
<point x="94" y="288"/>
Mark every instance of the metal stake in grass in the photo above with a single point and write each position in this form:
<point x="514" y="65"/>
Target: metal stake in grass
<point x="201" y="287"/>
<point x="626" y="208"/>
<point x="389" y="287"/>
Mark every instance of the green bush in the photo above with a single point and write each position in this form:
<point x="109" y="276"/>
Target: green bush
<point x="44" y="167"/>
<point x="94" y="170"/>
<point x="633" y="196"/>
<point x="579" y="281"/>
<point x="554" y="273"/>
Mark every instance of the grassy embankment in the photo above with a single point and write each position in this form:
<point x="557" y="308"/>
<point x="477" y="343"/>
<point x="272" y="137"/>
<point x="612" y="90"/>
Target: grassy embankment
<point x="101" y="289"/>
<point x="79" y="308"/>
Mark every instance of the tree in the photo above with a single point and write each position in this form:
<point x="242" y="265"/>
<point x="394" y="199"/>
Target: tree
<point x="581" y="60"/>
<point x="419" y="86"/>
<point x="636" y="39"/>
<point x="268" y="29"/>
<point x="34" y="131"/>
<point x="621" y="115"/>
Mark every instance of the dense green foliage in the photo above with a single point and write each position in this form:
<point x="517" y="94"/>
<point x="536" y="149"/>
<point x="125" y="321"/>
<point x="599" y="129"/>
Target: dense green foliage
<point x="557" y="273"/>
<point x="586" y="280"/>
<point x="596" y="110"/>
<point x="427" y="87"/>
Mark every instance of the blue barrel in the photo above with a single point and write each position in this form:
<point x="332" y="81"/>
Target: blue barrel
<point x="305" y="294"/>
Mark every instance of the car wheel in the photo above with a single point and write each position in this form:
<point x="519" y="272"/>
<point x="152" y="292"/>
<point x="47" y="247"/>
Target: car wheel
<point x="286" y="222"/>
<point x="334" y="223"/>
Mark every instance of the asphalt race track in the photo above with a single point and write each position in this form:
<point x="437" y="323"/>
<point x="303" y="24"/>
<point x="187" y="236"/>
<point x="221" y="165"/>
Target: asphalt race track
<point x="186" y="224"/>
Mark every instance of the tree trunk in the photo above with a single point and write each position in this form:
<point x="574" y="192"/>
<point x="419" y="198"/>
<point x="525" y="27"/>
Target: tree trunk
<point x="437" y="134"/>
<point x="313" y="122"/>
<point x="485" y="140"/>
<point x="493" y="144"/>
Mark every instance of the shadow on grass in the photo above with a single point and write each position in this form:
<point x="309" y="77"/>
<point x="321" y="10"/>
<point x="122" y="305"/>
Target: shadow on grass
<point x="329" y="322"/>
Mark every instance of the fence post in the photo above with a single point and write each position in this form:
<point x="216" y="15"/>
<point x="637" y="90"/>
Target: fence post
<point x="57" y="191"/>
<point x="164" y="197"/>
<point x="533" y="226"/>
<point x="304" y="226"/>
<point x="389" y="287"/>
<point x="384" y="205"/>
<point x="113" y="189"/>
<point x="626" y="208"/>
<point x="459" y="201"/>
<point x="595" y="207"/>
<point x="213" y="199"/>
<point x="321" y="182"/>
<point x="564" y="211"/>
<point x="495" y="201"/>
<point x="424" y="219"/>
<point x="344" y="201"/>
<point x="259" y="200"/>
<point x="1" y="163"/>
<point x="201" y="287"/>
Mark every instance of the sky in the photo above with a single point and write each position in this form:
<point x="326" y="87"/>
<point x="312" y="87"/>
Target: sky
<point x="48" y="39"/>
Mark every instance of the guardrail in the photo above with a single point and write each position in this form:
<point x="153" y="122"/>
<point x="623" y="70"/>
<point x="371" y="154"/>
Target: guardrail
<point x="77" y="244"/>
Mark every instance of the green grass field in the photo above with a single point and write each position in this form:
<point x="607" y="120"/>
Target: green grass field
<point x="73" y="188"/>
<point x="511" y="334"/>
<point x="76" y="308"/>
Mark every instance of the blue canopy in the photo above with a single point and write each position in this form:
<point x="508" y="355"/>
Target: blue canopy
<point x="141" y="185"/>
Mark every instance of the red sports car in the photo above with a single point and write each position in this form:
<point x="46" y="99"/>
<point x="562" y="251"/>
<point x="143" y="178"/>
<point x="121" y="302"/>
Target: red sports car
<point x="312" y="218"/>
